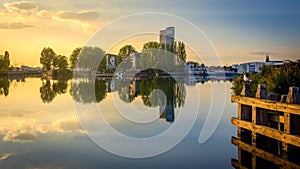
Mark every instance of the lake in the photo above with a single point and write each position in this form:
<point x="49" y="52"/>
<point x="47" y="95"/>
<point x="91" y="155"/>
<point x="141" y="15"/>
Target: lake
<point x="47" y="123"/>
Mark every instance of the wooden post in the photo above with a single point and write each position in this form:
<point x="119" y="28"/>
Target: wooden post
<point x="272" y="96"/>
<point x="290" y="99"/>
<point x="283" y="98"/>
<point x="246" y="91"/>
<point x="262" y="114"/>
<point x="293" y="95"/>
<point x="261" y="92"/>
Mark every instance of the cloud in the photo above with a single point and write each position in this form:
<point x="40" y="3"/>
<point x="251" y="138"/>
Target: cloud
<point x="82" y="16"/>
<point x="259" y="53"/>
<point x="24" y="137"/>
<point x="86" y="19"/>
<point x="28" y="12"/>
<point x="22" y="7"/>
<point x="24" y="130"/>
<point x="5" y="156"/>
<point x="17" y="25"/>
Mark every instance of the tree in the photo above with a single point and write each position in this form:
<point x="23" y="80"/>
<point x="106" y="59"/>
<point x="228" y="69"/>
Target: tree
<point x="4" y="61"/>
<point x="74" y="57"/>
<point x="47" y="56"/>
<point x="126" y="51"/>
<point x="6" y="58"/>
<point x="60" y="62"/>
<point x="180" y="50"/>
<point x="91" y="57"/>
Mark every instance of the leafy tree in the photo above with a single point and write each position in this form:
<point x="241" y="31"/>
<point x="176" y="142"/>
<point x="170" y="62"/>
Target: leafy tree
<point x="92" y="58"/>
<point x="4" y="61"/>
<point x="47" y="56"/>
<point x="151" y="45"/>
<point x="126" y="51"/>
<point x="60" y="62"/>
<point x="74" y="57"/>
<point x="180" y="50"/>
<point x="6" y="58"/>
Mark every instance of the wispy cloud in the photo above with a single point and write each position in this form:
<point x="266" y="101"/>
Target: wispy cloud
<point x="260" y="52"/>
<point x="17" y="25"/>
<point x="24" y="7"/>
<point x="5" y="156"/>
<point x="26" y="14"/>
<point x="82" y="16"/>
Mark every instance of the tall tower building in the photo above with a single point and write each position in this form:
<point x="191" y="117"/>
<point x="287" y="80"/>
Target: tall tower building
<point x="167" y="35"/>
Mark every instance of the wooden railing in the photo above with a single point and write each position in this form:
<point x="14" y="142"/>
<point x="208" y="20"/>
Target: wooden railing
<point x="267" y="129"/>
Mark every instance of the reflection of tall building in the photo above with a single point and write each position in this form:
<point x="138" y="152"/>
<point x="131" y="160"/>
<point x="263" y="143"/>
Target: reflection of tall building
<point x="167" y="35"/>
<point x="167" y="112"/>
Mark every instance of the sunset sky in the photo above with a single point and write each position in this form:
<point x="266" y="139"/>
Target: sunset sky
<point x="239" y="30"/>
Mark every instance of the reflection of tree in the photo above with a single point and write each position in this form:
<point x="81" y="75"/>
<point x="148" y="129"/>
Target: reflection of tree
<point x="100" y="90"/>
<point x="173" y="90"/>
<point x="49" y="91"/>
<point x="4" y="86"/>
<point x="60" y="87"/>
<point x="125" y="90"/>
<point x="83" y="91"/>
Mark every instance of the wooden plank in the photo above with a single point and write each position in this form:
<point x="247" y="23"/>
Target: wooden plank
<point x="267" y="131"/>
<point x="235" y="164"/>
<point x="262" y="154"/>
<point x="254" y="113"/>
<point x="267" y="104"/>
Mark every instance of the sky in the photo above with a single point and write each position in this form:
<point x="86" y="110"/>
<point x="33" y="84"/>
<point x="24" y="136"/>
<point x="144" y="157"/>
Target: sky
<point x="239" y="31"/>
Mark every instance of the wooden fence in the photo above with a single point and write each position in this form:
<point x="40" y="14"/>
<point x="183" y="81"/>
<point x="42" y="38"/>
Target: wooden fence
<point x="268" y="130"/>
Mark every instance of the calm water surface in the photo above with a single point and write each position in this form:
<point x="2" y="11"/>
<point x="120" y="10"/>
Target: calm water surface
<point x="39" y="127"/>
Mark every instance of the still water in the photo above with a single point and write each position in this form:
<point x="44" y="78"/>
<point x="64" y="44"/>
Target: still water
<point x="39" y="125"/>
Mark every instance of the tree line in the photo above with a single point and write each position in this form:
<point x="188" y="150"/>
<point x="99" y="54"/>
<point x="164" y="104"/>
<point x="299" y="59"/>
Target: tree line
<point x="94" y="58"/>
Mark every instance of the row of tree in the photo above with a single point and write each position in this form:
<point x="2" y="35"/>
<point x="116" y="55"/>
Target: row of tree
<point x="94" y="57"/>
<point x="4" y="61"/>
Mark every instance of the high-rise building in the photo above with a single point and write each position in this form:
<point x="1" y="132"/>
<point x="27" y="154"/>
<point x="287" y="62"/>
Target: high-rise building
<point x="167" y="35"/>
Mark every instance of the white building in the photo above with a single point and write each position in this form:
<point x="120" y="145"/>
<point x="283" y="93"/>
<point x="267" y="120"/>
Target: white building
<point x="254" y="67"/>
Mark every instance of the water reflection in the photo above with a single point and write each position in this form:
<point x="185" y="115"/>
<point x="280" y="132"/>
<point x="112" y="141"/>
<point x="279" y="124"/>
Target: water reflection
<point x="165" y="92"/>
<point x="49" y="89"/>
<point x="4" y="86"/>
<point x="266" y="152"/>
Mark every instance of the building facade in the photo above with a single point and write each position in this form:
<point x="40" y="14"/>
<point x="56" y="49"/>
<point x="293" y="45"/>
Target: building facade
<point x="167" y="35"/>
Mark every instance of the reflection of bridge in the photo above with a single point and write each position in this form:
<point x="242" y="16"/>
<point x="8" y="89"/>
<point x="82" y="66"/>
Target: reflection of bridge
<point x="268" y="131"/>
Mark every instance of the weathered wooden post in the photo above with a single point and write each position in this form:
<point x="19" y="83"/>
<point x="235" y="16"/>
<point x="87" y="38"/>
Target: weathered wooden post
<point x="293" y="95"/>
<point x="292" y="98"/>
<point x="244" y="113"/>
<point x="246" y="91"/>
<point x="283" y="98"/>
<point x="262" y="115"/>
<point x="272" y="96"/>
